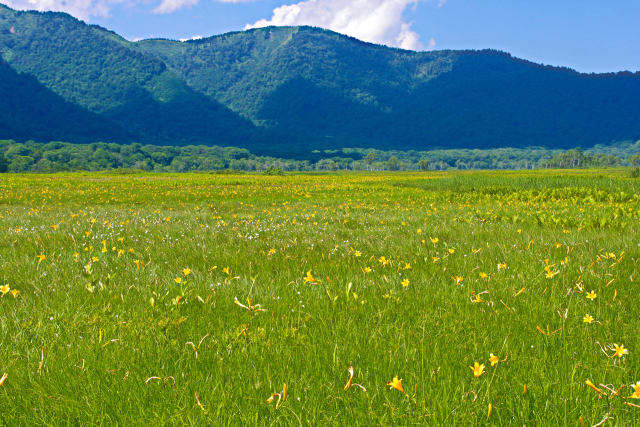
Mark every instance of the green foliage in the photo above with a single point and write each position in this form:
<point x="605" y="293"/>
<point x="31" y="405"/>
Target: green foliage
<point x="4" y="165"/>
<point x="32" y="156"/>
<point x="335" y="91"/>
<point x="304" y="88"/>
<point x="635" y="172"/>
<point x="99" y="332"/>
<point x="131" y="95"/>
<point x="273" y="171"/>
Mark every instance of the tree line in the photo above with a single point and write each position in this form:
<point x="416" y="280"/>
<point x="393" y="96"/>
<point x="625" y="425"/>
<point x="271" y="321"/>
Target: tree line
<point x="50" y="157"/>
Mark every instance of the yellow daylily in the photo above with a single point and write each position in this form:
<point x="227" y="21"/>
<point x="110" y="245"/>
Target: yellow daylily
<point x="396" y="383"/>
<point x="592" y="386"/>
<point x="310" y="279"/>
<point x="493" y="359"/>
<point x="619" y="351"/>
<point x="636" y="391"/>
<point x="5" y="289"/>
<point x="477" y="369"/>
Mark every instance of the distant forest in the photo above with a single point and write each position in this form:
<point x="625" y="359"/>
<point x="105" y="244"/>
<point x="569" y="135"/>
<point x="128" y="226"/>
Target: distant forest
<point x="51" y="157"/>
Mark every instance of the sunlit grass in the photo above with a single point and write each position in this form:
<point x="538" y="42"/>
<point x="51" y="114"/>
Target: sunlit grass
<point x="195" y="298"/>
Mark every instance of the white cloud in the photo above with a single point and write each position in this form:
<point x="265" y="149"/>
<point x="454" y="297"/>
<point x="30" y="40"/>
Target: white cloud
<point x="85" y="9"/>
<point x="82" y="9"/>
<point x="376" y="21"/>
<point x="170" y="6"/>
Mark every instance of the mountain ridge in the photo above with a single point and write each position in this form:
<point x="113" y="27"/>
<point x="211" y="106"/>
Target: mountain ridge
<point x="294" y="89"/>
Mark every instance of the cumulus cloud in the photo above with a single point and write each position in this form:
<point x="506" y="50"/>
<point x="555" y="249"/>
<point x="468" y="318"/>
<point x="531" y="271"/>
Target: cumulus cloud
<point x="376" y="21"/>
<point x="85" y="9"/>
<point x="169" y="6"/>
<point x="82" y="9"/>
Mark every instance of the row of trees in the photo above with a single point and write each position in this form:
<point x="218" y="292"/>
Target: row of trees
<point x="51" y="157"/>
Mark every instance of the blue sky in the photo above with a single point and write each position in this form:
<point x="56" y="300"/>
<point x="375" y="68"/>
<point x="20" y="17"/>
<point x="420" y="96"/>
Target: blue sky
<point x="588" y="35"/>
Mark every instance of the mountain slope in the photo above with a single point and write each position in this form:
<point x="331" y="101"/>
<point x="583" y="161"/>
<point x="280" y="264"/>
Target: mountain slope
<point x="29" y="110"/>
<point x="289" y="90"/>
<point x="96" y="69"/>
<point x="336" y="91"/>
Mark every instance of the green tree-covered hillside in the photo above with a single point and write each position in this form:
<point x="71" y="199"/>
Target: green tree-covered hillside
<point x="290" y="90"/>
<point x="97" y="70"/>
<point x="341" y="91"/>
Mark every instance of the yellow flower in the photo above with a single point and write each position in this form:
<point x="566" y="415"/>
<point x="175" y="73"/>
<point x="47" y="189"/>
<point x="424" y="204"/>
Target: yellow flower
<point x="620" y="351"/>
<point x="502" y="266"/>
<point x="186" y="272"/>
<point x="14" y="293"/>
<point x="41" y="258"/>
<point x="178" y="279"/>
<point x="477" y="299"/>
<point x="587" y="319"/>
<point x="477" y="369"/>
<point x="636" y="391"/>
<point x="358" y="254"/>
<point x="5" y="289"/>
<point x="493" y="359"/>
<point x="310" y="279"/>
<point x="419" y="231"/>
<point x="592" y="386"/>
<point x="551" y="274"/>
<point x="483" y="275"/>
<point x="434" y="240"/>
<point x="396" y="383"/>
<point x="452" y="251"/>
<point x="592" y="295"/>
<point x="271" y="252"/>
<point x="405" y="283"/>
<point x="458" y="279"/>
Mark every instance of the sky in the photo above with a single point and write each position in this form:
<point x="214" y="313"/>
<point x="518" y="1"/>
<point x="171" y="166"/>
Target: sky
<point x="586" y="35"/>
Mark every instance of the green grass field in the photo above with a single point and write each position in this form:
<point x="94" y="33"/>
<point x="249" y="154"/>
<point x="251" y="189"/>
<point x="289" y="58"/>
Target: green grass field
<point x="191" y="299"/>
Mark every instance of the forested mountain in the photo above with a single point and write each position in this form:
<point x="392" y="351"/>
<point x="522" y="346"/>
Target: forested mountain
<point x="343" y="91"/>
<point x="287" y="90"/>
<point x="97" y="70"/>
<point x="28" y="110"/>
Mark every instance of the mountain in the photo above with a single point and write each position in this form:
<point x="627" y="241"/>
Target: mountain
<point x="341" y="91"/>
<point x="289" y="90"/>
<point x="98" y="71"/>
<point x="28" y="110"/>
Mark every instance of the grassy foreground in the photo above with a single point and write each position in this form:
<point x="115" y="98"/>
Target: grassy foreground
<point x="192" y="299"/>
